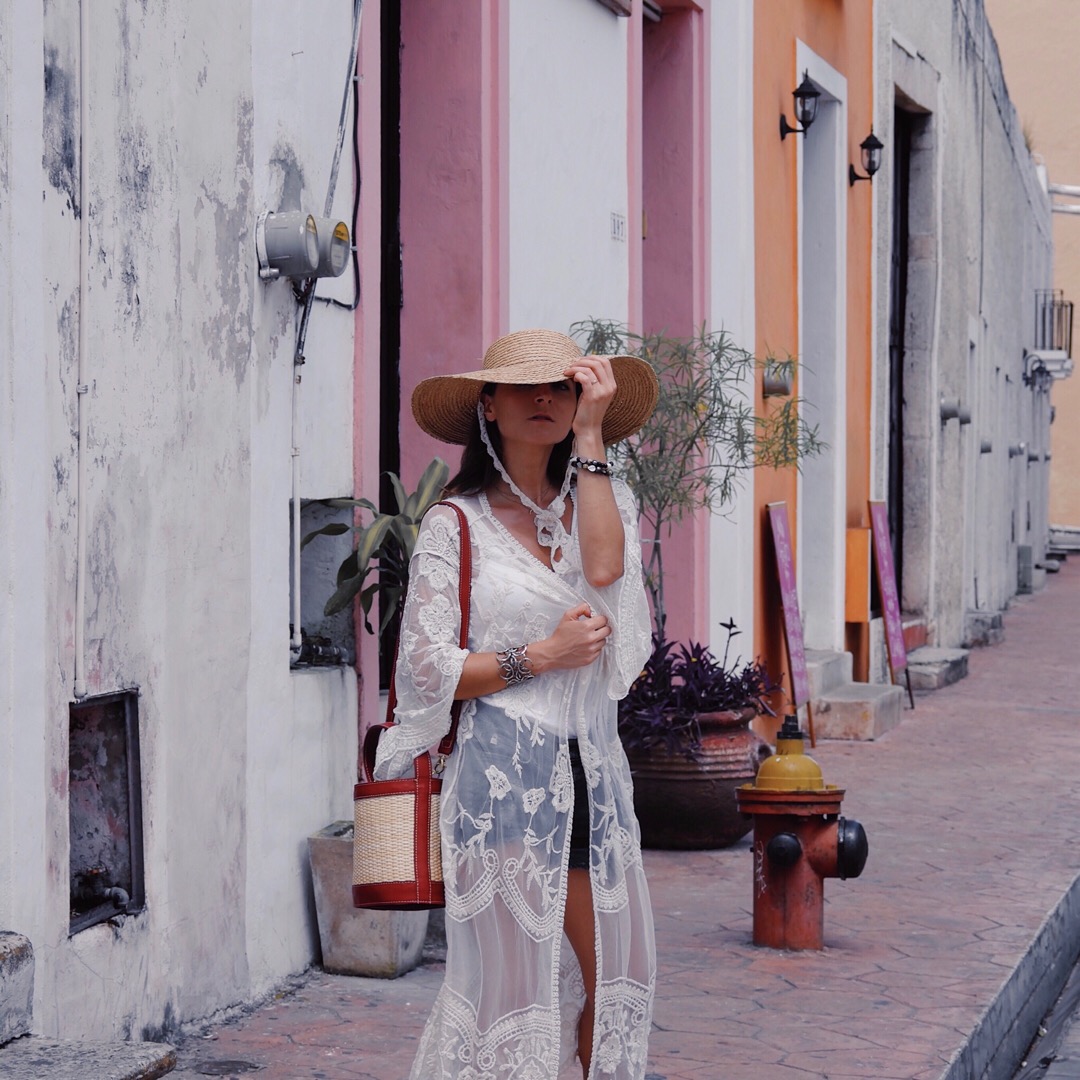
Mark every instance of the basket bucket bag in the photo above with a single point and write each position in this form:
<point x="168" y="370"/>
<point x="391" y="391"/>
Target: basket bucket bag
<point x="397" y="850"/>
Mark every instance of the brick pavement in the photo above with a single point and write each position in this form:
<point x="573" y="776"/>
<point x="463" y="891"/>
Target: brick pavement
<point x="969" y="898"/>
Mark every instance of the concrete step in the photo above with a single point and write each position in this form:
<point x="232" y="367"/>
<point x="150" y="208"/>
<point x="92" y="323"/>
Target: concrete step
<point x="1065" y="537"/>
<point x="932" y="668"/>
<point x="36" y="1058"/>
<point x="16" y="985"/>
<point x="827" y="670"/>
<point x="857" y="711"/>
<point x="982" y="628"/>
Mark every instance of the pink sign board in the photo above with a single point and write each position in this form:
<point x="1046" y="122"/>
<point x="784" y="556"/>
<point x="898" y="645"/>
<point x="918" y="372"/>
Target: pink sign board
<point x="886" y="577"/>
<point x="793" y="630"/>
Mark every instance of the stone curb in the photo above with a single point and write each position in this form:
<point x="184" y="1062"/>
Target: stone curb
<point x="36" y="1058"/>
<point x="1004" y="1032"/>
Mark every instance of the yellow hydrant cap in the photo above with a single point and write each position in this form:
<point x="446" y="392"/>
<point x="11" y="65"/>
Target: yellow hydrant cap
<point x="789" y="769"/>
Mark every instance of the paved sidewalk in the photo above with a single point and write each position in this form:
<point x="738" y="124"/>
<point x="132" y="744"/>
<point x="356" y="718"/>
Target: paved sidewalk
<point x="968" y="911"/>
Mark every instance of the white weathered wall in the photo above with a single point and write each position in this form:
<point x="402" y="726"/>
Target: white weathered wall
<point x="984" y="247"/>
<point x="201" y="116"/>
<point x="27" y="478"/>
<point x="731" y="303"/>
<point x="568" y="164"/>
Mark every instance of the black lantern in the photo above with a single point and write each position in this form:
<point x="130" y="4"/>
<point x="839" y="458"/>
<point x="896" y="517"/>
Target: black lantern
<point x="806" y="96"/>
<point x="871" y="148"/>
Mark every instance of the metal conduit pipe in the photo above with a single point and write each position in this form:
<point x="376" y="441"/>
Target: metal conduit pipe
<point x="82" y="386"/>
<point x="301" y="338"/>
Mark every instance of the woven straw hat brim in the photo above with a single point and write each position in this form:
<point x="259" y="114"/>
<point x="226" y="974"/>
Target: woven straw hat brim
<point x="445" y="406"/>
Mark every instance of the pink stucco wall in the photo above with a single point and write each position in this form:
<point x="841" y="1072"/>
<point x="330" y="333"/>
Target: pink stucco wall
<point x="452" y="199"/>
<point x="674" y="276"/>
<point x="672" y="182"/>
<point x="366" y="340"/>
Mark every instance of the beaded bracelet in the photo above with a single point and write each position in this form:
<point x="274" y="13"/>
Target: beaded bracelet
<point x="602" y="468"/>
<point x="514" y="665"/>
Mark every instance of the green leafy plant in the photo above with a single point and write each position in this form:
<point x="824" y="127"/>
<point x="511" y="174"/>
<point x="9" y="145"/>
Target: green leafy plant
<point x="383" y="547"/>
<point x="705" y="434"/>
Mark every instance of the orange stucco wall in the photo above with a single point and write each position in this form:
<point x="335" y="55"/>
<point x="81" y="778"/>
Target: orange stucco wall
<point x="842" y="34"/>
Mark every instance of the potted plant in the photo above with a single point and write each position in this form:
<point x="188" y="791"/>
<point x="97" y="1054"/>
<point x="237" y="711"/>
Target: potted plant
<point x="685" y="725"/>
<point x="704" y="436"/>
<point x="701" y="441"/>
<point x="374" y="943"/>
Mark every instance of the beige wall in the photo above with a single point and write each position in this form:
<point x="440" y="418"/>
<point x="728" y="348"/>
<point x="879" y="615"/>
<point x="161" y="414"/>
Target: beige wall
<point x="1037" y="40"/>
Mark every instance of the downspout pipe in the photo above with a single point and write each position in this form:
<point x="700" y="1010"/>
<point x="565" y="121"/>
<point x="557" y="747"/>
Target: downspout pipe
<point x="82" y="386"/>
<point x="301" y="337"/>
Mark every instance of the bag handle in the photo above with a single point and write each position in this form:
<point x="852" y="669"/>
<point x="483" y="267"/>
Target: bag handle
<point x="371" y="740"/>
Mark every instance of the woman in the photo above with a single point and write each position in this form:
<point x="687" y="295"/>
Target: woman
<point x="538" y="832"/>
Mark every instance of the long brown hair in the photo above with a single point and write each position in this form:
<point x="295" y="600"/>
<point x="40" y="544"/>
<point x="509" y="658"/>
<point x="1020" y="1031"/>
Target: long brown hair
<point x="477" y="471"/>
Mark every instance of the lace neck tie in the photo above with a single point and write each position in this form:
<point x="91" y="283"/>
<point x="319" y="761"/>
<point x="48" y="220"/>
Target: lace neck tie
<point x="550" y="531"/>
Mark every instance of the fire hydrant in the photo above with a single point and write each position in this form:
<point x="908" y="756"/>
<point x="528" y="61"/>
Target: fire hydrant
<point x="799" y="840"/>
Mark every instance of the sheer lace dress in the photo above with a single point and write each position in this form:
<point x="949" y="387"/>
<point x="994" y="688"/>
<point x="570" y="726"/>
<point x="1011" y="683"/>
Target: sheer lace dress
<point x="509" y="1005"/>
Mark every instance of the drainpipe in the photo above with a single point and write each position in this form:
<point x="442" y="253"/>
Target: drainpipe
<point x="301" y="337"/>
<point x="82" y="386"/>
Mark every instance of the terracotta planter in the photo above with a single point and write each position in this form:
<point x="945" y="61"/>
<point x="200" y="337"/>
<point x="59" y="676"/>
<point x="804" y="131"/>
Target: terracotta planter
<point x="690" y="804"/>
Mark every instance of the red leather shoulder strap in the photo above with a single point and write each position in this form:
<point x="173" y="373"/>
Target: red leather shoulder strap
<point x="371" y="741"/>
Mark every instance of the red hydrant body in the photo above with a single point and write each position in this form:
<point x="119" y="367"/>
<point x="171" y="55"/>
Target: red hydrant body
<point x="799" y="840"/>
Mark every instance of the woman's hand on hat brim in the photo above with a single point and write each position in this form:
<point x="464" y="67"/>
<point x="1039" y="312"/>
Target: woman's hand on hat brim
<point x="597" y="381"/>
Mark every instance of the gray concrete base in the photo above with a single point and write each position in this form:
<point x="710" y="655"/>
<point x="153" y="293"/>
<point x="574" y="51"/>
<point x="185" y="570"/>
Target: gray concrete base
<point x="16" y="985"/>
<point x="35" y="1058"/>
<point x="931" y="668"/>
<point x="858" y="711"/>
<point x="1003" y="1033"/>
<point x="827" y="670"/>
<point x="983" y="628"/>
<point x="1065" y="537"/>
<point x="381" y="944"/>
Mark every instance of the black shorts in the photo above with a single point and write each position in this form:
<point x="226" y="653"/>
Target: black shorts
<point x="580" y="831"/>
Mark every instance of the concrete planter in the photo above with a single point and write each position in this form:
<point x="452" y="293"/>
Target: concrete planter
<point x="383" y="944"/>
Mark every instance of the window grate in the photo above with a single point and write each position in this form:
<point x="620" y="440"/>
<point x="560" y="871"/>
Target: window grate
<point x="1053" y="321"/>
<point x="105" y="809"/>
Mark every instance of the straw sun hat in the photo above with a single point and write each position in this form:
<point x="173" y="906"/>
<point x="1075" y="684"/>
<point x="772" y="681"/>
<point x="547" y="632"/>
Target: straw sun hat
<point x="445" y="406"/>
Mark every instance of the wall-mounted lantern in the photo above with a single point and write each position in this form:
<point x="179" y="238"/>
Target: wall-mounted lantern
<point x="301" y="246"/>
<point x="871" y="148"/>
<point x="806" y="96"/>
<point x="778" y="378"/>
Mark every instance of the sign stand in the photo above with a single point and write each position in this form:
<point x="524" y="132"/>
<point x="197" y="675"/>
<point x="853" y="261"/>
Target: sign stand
<point x="890" y="599"/>
<point x="789" y="597"/>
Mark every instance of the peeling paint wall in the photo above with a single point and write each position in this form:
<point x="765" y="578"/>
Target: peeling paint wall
<point x="202" y="115"/>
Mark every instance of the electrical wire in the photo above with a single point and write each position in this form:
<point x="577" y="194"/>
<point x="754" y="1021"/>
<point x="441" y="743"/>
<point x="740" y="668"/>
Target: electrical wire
<point x="329" y="300"/>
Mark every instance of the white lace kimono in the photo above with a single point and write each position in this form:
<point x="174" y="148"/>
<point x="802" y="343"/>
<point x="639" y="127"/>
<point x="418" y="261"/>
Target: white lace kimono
<point x="509" y="1006"/>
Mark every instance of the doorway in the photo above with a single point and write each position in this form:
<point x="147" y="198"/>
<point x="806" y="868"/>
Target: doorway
<point x="898" y="278"/>
<point x="823" y="321"/>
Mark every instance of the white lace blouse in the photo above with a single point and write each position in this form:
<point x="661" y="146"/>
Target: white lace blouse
<point x="512" y="994"/>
